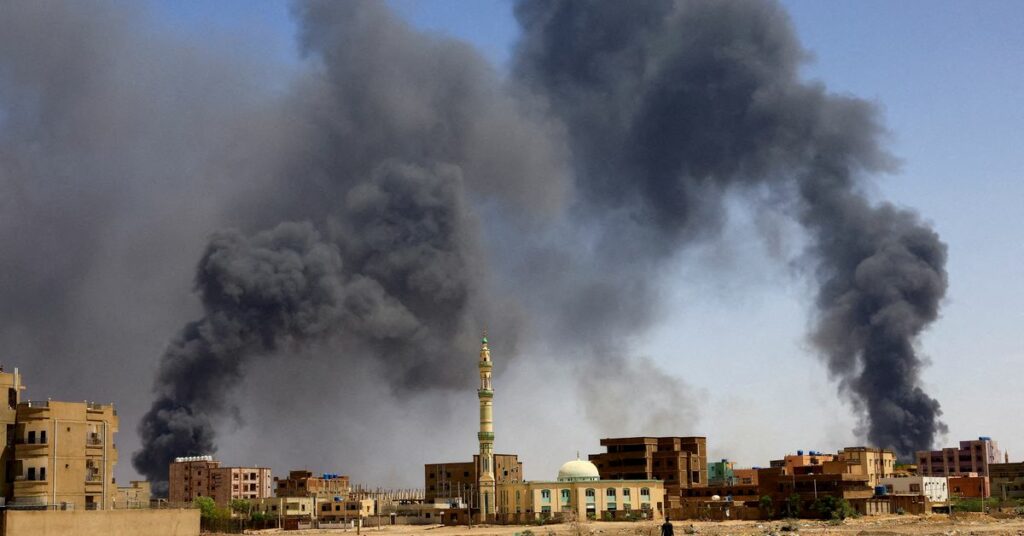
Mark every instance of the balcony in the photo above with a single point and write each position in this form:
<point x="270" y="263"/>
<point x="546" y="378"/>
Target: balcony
<point x="93" y="440"/>
<point x="37" y="404"/>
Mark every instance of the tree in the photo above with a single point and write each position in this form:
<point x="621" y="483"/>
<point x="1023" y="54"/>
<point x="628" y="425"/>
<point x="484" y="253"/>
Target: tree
<point x="766" y="505"/>
<point x="207" y="507"/>
<point x="240" y="506"/>
<point x="834" y="508"/>
<point x="793" y="505"/>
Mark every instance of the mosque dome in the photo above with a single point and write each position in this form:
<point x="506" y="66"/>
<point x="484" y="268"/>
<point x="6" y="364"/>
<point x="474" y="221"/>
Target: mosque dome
<point x="577" y="470"/>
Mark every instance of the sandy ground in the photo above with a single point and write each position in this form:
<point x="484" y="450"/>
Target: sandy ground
<point x="962" y="525"/>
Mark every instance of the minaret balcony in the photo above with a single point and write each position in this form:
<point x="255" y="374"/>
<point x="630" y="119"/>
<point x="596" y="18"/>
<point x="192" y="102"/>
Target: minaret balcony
<point x="485" y="393"/>
<point x="486" y="364"/>
<point x="485" y="436"/>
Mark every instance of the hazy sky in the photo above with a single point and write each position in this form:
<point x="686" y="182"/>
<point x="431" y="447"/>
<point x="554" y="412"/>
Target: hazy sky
<point x="949" y="77"/>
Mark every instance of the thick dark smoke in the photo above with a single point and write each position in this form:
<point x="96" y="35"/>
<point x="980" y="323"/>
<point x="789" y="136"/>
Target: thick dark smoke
<point x="671" y="105"/>
<point x="394" y="194"/>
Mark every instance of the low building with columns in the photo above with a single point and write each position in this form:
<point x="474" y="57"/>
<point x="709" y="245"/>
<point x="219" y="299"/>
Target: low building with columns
<point x="579" y="493"/>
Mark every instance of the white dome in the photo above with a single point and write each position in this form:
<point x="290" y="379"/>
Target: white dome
<point x="576" y="470"/>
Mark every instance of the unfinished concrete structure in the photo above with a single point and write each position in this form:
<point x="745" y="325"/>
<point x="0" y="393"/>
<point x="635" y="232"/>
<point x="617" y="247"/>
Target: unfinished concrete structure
<point x="302" y="483"/>
<point x="136" y="494"/>
<point x="1007" y="480"/>
<point x="680" y="462"/>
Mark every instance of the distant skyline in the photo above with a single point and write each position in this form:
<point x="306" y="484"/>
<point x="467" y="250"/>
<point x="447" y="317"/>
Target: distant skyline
<point x="948" y="78"/>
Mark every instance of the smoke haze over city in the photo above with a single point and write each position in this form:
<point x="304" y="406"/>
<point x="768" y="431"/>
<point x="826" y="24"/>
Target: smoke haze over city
<point x="231" y="244"/>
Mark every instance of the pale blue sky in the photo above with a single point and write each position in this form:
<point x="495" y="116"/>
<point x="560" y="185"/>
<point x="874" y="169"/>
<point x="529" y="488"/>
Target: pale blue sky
<point x="949" y="78"/>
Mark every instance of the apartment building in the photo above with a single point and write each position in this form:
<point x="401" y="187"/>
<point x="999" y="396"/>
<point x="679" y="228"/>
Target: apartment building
<point x="460" y="479"/>
<point x="64" y="455"/>
<point x="680" y="462"/>
<point x="202" y="476"/>
<point x="873" y="463"/>
<point x="10" y="384"/>
<point x="303" y="483"/>
<point x="972" y="456"/>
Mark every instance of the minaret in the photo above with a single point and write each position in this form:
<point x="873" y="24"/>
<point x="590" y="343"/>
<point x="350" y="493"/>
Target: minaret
<point x="486" y="434"/>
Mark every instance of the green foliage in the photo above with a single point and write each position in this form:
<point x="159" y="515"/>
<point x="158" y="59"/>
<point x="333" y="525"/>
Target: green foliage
<point x="591" y="516"/>
<point x="793" y="505"/>
<point x="526" y="532"/>
<point x="607" y="516"/>
<point x="834" y="508"/>
<point x="766" y="504"/>
<point x="207" y="507"/>
<point x="240" y="506"/>
<point x="261" y="517"/>
<point x="974" y="504"/>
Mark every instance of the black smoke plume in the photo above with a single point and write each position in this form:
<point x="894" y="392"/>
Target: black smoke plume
<point x="394" y="193"/>
<point x="672" y="105"/>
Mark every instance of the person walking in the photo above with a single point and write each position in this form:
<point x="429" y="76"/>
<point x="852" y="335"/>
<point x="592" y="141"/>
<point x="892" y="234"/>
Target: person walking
<point x="666" y="528"/>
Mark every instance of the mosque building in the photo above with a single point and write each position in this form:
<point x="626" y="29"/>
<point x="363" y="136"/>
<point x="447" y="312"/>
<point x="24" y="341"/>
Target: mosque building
<point x="498" y="495"/>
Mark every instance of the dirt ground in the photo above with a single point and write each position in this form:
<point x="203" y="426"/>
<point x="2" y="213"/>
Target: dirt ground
<point x="962" y="525"/>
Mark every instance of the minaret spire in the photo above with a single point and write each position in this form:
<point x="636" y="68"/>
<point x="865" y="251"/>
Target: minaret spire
<point x="486" y="434"/>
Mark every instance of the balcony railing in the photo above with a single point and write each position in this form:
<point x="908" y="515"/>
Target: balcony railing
<point x="93" y="440"/>
<point x="37" y="403"/>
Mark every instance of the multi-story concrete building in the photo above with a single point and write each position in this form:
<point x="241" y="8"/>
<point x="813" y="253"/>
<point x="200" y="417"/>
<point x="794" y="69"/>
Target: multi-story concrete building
<point x="971" y="457"/>
<point x="10" y="383"/>
<point x="65" y="455"/>
<point x="680" y="462"/>
<point x="202" y="476"/>
<point x="873" y="463"/>
<point x="933" y="487"/>
<point x="1007" y="480"/>
<point x="457" y="480"/>
<point x="134" y="495"/>
<point x="303" y="483"/>
<point x="580" y="492"/>
<point x="969" y="485"/>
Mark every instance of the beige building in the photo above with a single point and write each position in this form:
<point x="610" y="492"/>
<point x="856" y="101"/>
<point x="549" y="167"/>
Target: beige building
<point x="134" y="495"/>
<point x="65" y="455"/>
<point x="873" y="463"/>
<point x="10" y="383"/>
<point x="202" y="476"/>
<point x="579" y="493"/>
<point x="303" y="483"/>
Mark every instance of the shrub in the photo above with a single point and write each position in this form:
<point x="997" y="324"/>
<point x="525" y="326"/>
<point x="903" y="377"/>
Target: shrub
<point x="607" y="516"/>
<point x="834" y="508"/>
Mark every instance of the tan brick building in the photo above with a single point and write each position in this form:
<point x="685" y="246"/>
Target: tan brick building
<point x="65" y="455"/>
<point x="457" y="480"/>
<point x="973" y="456"/>
<point x="303" y="483"/>
<point x="680" y="462"/>
<point x="202" y="476"/>
<point x="10" y="383"/>
<point x="873" y="463"/>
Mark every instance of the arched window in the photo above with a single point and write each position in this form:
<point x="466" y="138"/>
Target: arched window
<point x="565" y="496"/>
<point x="545" y="494"/>
<point x="610" y="492"/>
<point x="590" y="493"/>
<point x="645" y="492"/>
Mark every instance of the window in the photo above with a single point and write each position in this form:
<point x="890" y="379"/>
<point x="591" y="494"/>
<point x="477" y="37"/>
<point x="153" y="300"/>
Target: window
<point x="565" y="495"/>
<point x="545" y="494"/>
<point x="31" y="474"/>
<point x="590" y="493"/>
<point x="42" y="473"/>
<point x="42" y="436"/>
<point x="645" y="492"/>
<point x="12" y="398"/>
<point x="31" y="437"/>
<point x="610" y="492"/>
<point x="625" y="492"/>
<point x="695" y="477"/>
<point x="465" y="474"/>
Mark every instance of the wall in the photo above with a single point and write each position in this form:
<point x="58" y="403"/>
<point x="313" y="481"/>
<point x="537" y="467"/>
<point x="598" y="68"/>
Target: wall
<point x="101" y="523"/>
